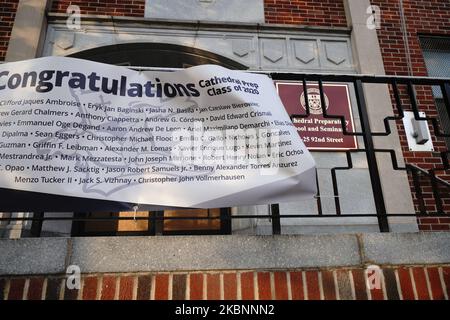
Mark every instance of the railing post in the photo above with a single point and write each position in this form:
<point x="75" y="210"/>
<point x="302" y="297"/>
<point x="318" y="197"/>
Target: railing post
<point x="36" y="225"/>
<point x="225" y="221"/>
<point x="276" y="223"/>
<point x="446" y="96"/>
<point x="371" y="158"/>
<point x="157" y="226"/>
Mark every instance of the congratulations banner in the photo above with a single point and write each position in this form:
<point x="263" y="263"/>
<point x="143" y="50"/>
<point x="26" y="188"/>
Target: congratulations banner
<point x="201" y="137"/>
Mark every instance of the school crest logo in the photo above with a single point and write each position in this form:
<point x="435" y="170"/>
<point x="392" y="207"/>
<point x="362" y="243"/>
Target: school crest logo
<point x="315" y="107"/>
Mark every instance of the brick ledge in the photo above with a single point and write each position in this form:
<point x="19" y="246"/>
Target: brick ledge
<point x="31" y="256"/>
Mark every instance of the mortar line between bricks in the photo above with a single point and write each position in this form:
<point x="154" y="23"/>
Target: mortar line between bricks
<point x="238" y="284"/>
<point x="44" y="289"/>
<point x="352" y="284"/>
<point x="153" y="286"/>
<point x="255" y="285"/>
<point x="80" y="292"/>
<point x="427" y="280"/>
<point x="305" y="285"/>
<point x="7" y="288"/>
<point x="362" y="255"/>
<point x="319" y="279"/>
<point x="68" y="257"/>
<point x="170" y="287"/>
<point x="135" y="287"/>
<point x="443" y="285"/>
<point x="399" y="287"/>
<point x="117" y="288"/>
<point x="187" y="291"/>
<point x="336" y="285"/>
<point x="100" y="288"/>
<point x="62" y="288"/>
<point x="273" y="293"/>
<point x="26" y="286"/>
<point x="98" y="295"/>
<point x="221" y="286"/>
<point x="367" y="285"/>
<point x="288" y="285"/>
<point x="150" y="289"/>
<point x="205" y="287"/>
<point x="413" y="282"/>
<point x="383" y="285"/>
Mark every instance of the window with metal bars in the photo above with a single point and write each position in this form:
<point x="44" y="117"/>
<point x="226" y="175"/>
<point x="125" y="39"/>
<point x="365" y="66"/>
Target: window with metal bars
<point x="436" y="52"/>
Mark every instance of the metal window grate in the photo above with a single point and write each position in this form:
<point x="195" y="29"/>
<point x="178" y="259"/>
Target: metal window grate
<point x="436" y="52"/>
<point x="437" y="44"/>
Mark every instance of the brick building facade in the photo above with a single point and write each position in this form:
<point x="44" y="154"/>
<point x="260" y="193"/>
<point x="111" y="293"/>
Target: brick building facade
<point x="7" y="15"/>
<point x="333" y="35"/>
<point x="422" y="18"/>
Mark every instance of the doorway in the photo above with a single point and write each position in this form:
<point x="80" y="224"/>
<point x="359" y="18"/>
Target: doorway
<point x="167" y="222"/>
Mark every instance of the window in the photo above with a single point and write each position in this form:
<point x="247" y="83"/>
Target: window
<point x="436" y="52"/>
<point x="107" y="224"/>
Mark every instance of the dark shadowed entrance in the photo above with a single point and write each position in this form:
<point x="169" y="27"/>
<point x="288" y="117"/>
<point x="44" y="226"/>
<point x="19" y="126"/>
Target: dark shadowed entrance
<point x="161" y="56"/>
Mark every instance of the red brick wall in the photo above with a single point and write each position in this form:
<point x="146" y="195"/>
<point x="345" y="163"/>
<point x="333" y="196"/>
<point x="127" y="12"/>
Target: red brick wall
<point x="423" y="17"/>
<point x="132" y="8"/>
<point x="304" y="12"/>
<point x="7" y="14"/>
<point x="328" y="13"/>
<point x="428" y="17"/>
<point x="405" y="283"/>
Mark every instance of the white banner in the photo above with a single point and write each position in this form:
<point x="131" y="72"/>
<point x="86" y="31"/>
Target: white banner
<point x="202" y="137"/>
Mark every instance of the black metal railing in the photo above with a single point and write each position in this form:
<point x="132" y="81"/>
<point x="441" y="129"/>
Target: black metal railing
<point x="430" y="187"/>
